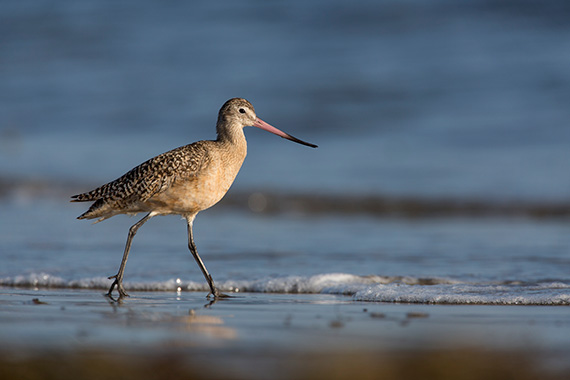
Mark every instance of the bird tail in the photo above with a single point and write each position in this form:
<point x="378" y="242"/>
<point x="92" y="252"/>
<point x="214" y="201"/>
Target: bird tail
<point x="97" y="209"/>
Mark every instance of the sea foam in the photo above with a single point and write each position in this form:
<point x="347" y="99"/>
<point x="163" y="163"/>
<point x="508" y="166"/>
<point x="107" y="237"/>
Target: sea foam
<point x="401" y="289"/>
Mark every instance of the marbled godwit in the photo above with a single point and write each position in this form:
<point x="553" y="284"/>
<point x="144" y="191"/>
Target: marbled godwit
<point x="183" y="181"/>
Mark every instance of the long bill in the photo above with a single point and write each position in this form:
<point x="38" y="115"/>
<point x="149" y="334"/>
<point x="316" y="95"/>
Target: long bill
<point x="269" y="128"/>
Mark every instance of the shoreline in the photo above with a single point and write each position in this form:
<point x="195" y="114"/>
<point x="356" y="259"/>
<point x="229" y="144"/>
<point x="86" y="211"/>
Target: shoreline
<point x="151" y="335"/>
<point x="368" y="288"/>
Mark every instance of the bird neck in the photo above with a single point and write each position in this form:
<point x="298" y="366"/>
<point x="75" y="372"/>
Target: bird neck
<point x="231" y="134"/>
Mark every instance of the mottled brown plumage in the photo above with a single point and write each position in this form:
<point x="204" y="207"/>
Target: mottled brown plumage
<point x="182" y="181"/>
<point x="129" y="193"/>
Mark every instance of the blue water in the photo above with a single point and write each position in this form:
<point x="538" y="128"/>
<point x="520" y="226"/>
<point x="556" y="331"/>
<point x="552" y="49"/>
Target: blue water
<point x="439" y="100"/>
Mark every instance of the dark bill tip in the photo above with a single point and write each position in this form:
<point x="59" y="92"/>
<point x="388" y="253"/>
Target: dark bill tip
<point x="294" y="139"/>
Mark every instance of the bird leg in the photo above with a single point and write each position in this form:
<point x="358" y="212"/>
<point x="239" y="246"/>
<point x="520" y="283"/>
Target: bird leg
<point x="119" y="276"/>
<point x="213" y="290"/>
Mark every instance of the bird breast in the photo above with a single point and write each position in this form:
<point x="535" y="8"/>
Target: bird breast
<point x="204" y="188"/>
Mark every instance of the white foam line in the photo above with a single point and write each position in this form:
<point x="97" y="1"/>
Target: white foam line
<point x="361" y="288"/>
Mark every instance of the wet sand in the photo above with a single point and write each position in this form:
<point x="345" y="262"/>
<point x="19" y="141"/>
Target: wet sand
<point x="67" y="333"/>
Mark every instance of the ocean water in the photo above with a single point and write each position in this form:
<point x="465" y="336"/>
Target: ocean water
<point x="440" y="104"/>
<point x="427" y="260"/>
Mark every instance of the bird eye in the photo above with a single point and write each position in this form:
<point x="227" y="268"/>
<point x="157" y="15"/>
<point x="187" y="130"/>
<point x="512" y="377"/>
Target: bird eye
<point x="241" y="110"/>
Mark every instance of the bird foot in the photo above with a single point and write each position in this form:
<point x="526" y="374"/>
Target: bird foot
<point x="216" y="294"/>
<point x="119" y="284"/>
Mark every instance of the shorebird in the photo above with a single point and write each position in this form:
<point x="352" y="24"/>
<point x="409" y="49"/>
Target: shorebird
<point x="183" y="181"/>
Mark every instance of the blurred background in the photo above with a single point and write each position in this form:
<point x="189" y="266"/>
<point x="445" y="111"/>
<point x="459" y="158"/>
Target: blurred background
<point x="438" y="99"/>
<point x="429" y="109"/>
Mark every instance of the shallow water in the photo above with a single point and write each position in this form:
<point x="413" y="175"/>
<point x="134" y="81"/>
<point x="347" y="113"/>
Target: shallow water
<point x="426" y="260"/>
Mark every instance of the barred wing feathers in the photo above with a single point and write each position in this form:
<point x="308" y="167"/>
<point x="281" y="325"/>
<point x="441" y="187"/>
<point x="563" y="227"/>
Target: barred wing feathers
<point x="144" y="181"/>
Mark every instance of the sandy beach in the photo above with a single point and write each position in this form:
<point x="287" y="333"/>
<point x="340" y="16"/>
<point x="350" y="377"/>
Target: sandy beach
<point x="66" y="333"/>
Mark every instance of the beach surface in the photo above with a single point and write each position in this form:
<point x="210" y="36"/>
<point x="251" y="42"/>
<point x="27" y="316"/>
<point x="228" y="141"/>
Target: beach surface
<point x="72" y="333"/>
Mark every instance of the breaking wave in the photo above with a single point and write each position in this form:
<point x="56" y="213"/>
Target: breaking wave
<point x="397" y="289"/>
